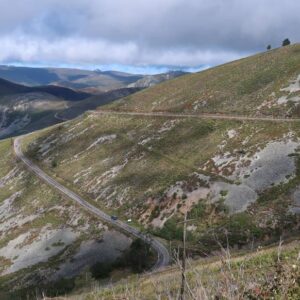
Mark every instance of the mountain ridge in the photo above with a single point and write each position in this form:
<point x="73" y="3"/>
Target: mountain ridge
<point x="96" y="81"/>
<point x="9" y="88"/>
<point x="248" y="86"/>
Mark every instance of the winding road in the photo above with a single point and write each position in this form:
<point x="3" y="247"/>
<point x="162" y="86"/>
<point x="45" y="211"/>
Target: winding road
<point x="163" y="257"/>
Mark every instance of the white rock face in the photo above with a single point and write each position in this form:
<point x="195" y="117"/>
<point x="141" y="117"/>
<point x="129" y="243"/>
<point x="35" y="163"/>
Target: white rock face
<point x="102" y="139"/>
<point x="282" y="100"/>
<point x="271" y="165"/>
<point x="252" y="173"/>
<point x="108" y="249"/>
<point x="168" y="125"/>
<point x="16" y="125"/>
<point x="293" y="87"/>
<point x="24" y="253"/>
<point x="238" y="197"/>
<point x="285" y="99"/>
<point x="222" y="159"/>
<point x="231" y="133"/>
<point x="6" y="207"/>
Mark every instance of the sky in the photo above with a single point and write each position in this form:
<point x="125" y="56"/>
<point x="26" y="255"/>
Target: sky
<point x="142" y="36"/>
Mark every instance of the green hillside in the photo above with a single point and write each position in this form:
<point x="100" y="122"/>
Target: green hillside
<point x="250" y="86"/>
<point x="238" y="181"/>
<point x="271" y="273"/>
<point x="233" y="175"/>
<point x="42" y="234"/>
<point x="10" y="88"/>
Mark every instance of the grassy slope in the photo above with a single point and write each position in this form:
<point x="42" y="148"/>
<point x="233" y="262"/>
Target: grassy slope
<point x="128" y="165"/>
<point x="238" y="87"/>
<point x="271" y="273"/>
<point x="166" y="158"/>
<point x="131" y="174"/>
<point x="50" y="210"/>
<point x="10" y="88"/>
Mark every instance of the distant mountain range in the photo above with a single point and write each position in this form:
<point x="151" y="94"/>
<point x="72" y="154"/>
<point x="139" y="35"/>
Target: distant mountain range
<point x="10" y="88"/>
<point x="88" y="81"/>
<point x="151" y="80"/>
<point x="25" y="109"/>
<point x="33" y="98"/>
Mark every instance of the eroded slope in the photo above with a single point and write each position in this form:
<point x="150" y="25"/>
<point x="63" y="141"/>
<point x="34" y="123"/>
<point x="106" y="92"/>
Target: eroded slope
<point x="235" y="178"/>
<point x="42" y="235"/>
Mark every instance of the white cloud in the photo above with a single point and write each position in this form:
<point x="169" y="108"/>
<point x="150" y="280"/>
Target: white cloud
<point x="173" y="32"/>
<point x="82" y="51"/>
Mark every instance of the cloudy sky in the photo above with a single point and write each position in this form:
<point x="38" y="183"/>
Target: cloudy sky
<point x="142" y="35"/>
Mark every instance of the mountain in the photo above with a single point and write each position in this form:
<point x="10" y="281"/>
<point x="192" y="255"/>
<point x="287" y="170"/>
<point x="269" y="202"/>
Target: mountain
<point x="24" y="109"/>
<point x="77" y="108"/>
<point x="28" y="76"/>
<point x="151" y="80"/>
<point x="162" y="165"/>
<point x="9" y="88"/>
<point x="94" y="81"/>
<point x="264" y="84"/>
<point x="220" y="146"/>
<point x="89" y="81"/>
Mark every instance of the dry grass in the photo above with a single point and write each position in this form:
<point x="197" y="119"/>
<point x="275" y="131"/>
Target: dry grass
<point x="238" y="87"/>
<point x="265" y="274"/>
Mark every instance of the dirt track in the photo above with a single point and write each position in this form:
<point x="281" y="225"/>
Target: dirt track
<point x="197" y="116"/>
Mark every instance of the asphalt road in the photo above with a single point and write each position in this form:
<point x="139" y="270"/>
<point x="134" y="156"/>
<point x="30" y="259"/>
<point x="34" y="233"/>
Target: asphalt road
<point x="163" y="257"/>
<point x="196" y="116"/>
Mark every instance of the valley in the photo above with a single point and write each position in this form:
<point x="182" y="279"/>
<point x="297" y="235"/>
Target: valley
<point x="227" y="158"/>
<point x="33" y="106"/>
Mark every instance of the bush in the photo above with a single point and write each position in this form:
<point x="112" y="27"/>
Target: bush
<point x="138" y="255"/>
<point x="171" y="230"/>
<point x="101" y="270"/>
<point x="155" y="213"/>
<point x="286" y="42"/>
<point x="54" y="164"/>
<point x="224" y="193"/>
<point x="197" y="211"/>
<point x="60" y="287"/>
<point x="221" y="207"/>
<point x="238" y="230"/>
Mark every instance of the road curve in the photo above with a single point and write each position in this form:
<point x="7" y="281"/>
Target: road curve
<point x="163" y="257"/>
<point x="196" y="116"/>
